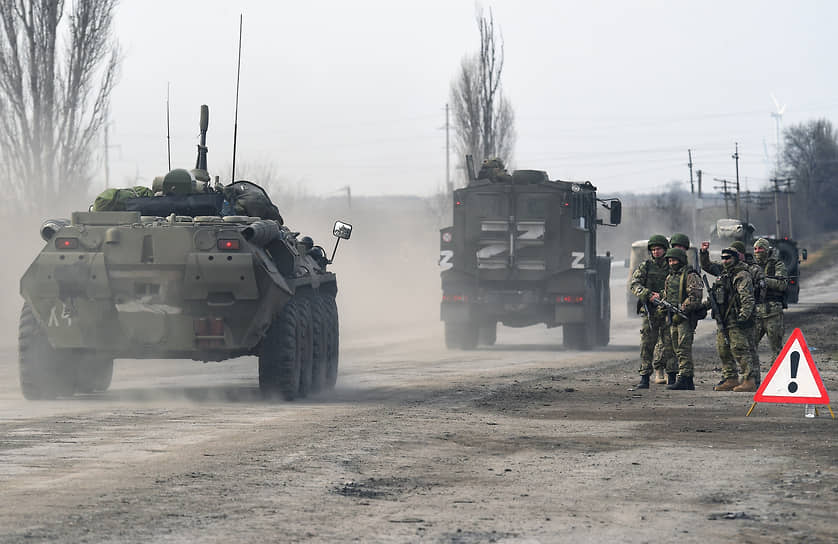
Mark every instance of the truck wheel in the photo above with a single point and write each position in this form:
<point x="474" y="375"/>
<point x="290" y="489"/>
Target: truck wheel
<point x="320" y="333"/>
<point x="280" y="353"/>
<point x="576" y="336"/>
<point x="461" y="335"/>
<point x="94" y="373"/>
<point x="305" y="327"/>
<point x="333" y="341"/>
<point x="45" y="373"/>
<point x="488" y="334"/>
<point x="603" y="331"/>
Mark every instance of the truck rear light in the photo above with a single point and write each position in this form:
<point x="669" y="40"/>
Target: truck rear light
<point x="229" y="244"/>
<point x="570" y="299"/>
<point x="66" y="243"/>
<point x="454" y="298"/>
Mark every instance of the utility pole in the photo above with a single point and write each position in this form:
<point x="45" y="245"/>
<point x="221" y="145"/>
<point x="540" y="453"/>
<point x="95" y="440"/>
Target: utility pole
<point x="690" y="164"/>
<point x="699" y="204"/>
<point x="726" y="194"/>
<point x="448" y="186"/>
<point x="776" y="207"/>
<point x="736" y="158"/>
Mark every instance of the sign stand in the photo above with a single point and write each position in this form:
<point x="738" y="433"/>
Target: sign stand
<point x="789" y="381"/>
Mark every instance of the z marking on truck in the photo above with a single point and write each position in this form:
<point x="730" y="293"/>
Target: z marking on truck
<point x="445" y="257"/>
<point x="577" y="257"/>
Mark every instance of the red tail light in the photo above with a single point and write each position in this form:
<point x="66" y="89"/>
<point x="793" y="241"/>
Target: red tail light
<point x="454" y="298"/>
<point x="66" y="243"/>
<point x="570" y="299"/>
<point x="229" y="245"/>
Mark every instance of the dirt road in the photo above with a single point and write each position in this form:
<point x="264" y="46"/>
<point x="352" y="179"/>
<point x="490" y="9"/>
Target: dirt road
<point x="521" y="442"/>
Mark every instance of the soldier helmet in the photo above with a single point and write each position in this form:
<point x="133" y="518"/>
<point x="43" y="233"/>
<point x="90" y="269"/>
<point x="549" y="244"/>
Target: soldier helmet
<point x="307" y="242"/>
<point x="178" y="182"/>
<point x="732" y="252"/>
<point x="679" y="239"/>
<point x="657" y="240"/>
<point x="763" y="243"/>
<point x="738" y="246"/>
<point x="677" y="253"/>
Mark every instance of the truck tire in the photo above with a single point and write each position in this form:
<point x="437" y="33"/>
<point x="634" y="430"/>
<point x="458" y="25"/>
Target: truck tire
<point x="45" y="372"/>
<point x="304" y="323"/>
<point x="320" y="335"/>
<point x="332" y="341"/>
<point x="603" y="330"/>
<point x="488" y="334"/>
<point x="94" y="373"/>
<point x="281" y="352"/>
<point x="461" y="335"/>
<point x="577" y="336"/>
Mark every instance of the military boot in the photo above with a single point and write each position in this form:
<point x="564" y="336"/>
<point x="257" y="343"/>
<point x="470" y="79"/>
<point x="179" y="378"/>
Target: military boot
<point x="671" y="377"/>
<point x="644" y="382"/>
<point x="682" y="383"/>
<point x="726" y="384"/>
<point x="747" y="386"/>
<point x="660" y="376"/>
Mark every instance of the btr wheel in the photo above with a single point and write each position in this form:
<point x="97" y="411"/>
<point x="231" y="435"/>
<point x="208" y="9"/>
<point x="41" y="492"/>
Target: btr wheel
<point x="281" y="352"/>
<point x="45" y="373"/>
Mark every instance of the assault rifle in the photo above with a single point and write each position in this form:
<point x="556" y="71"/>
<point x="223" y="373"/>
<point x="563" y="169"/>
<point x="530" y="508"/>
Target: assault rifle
<point x="670" y="309"/>
<point x="717" y="312"/>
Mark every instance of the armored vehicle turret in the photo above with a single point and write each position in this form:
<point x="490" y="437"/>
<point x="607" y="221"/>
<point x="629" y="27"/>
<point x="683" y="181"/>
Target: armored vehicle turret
<point x="195" y="271"/>
<point x="522" y="251"/>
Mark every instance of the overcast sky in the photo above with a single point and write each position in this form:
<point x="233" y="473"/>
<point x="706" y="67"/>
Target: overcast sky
<point x="337" y="93"/>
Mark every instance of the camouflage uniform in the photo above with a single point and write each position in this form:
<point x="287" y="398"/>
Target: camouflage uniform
<point x="734" y="291"/>
<point x="769" y="320"/>
<point x="683" y="288"/>
<point x="649" y="278"/>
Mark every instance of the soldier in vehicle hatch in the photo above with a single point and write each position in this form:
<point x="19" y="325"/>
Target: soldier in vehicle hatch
<point x="733" y="291"/>
<point x="494" y="170"/>
<point x="683" y="290"/>
<point x="769" y="320"/>
<point x="647" y="284"/>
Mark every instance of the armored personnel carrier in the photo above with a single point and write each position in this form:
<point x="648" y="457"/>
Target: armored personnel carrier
<point x="522" y="251"/>
<point x="197" y="272"/>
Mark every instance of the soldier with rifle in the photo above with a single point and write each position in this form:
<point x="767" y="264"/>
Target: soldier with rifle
<point x="732" y="300"/>
<point x="683" y="306"/>
<point x="769" y="319"/>
<point x="647" y="284"/>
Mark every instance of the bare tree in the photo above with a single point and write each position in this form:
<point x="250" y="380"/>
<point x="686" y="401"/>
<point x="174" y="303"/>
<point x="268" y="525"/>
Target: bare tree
<point x="484" y="121"/>
<point x="53" y="104"/>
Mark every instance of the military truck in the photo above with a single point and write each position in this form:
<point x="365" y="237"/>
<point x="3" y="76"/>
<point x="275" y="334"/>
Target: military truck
<point x="190" y="273"/>
<point x="522" y="251"/>
<point x="791" y="255"/>
<point x="639" y="253"/>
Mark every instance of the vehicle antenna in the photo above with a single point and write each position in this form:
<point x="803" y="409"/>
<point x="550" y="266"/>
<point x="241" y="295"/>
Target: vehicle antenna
<point x="236" y="115"/>
<point x="168" y="129"/>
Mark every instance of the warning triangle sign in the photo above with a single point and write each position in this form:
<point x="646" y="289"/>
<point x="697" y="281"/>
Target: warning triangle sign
<point x="794" y="378"/>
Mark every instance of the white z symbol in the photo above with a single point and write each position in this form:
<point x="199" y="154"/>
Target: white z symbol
<point x="577" y="257"/>
<point x="446" y="257"/>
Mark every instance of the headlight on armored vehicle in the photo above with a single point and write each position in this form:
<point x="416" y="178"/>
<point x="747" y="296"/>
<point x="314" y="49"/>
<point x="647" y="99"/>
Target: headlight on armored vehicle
<point x="66" y="243"/>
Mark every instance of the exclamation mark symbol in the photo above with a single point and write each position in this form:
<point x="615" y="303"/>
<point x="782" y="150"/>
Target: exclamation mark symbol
<point x="795" y="362"/>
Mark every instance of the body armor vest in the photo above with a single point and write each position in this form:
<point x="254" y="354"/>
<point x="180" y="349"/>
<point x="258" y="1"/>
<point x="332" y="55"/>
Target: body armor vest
<point x="655" y="275"/>
<point x="772" y="295"/>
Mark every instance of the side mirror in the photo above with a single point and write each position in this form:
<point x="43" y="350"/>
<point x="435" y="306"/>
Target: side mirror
<point x="616" y="212"/>
<point x="804" y="253"/>
<point x="342" y="230"/>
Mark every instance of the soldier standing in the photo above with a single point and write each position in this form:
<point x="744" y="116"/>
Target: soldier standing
<point x="647" y="283"/>
<point x="734" y="293"/>
<point x="769" y="320"/>
<point x="683" y="289"/>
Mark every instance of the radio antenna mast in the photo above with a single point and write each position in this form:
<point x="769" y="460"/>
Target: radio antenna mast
<point x="236" y="116"/>
<point x="168" y="129"/>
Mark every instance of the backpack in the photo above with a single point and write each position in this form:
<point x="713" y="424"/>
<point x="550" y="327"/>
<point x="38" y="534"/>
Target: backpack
<point x="247" y="198"/>
<point x="700" y="313"/>
<point x="113" y="200"/>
